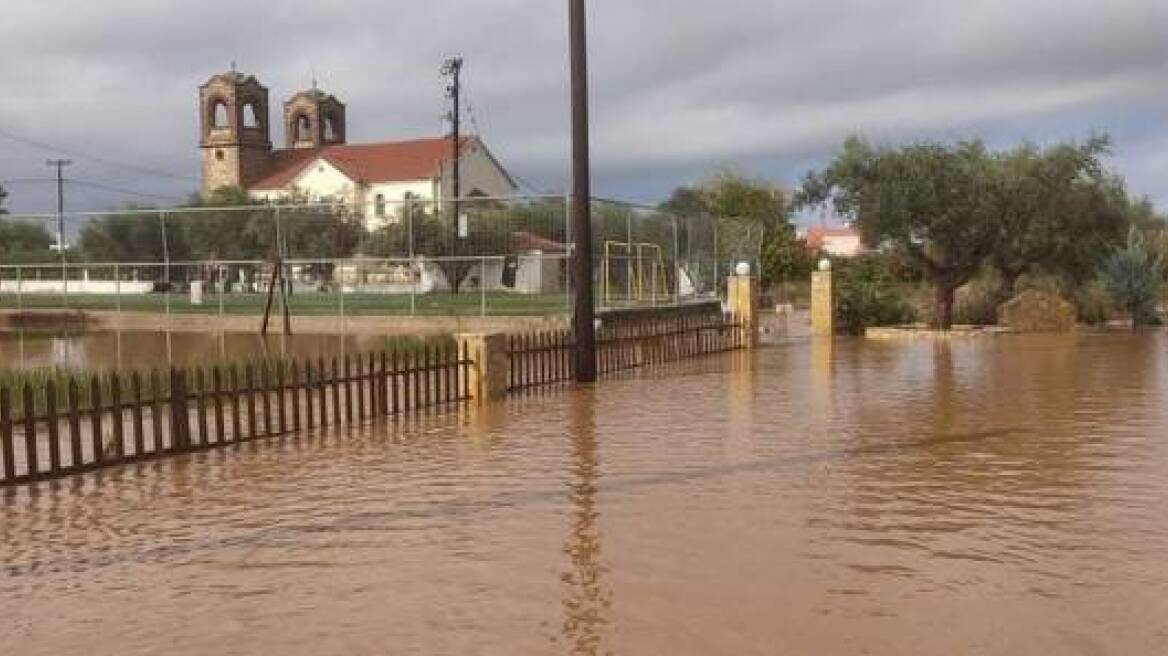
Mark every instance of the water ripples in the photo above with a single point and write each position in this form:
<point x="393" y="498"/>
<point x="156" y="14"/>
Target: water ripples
<point x="812" y="493"/>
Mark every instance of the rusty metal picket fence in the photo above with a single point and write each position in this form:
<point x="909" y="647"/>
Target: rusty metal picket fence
<point x="545" y="358"/>
<point x="54" y="430"/>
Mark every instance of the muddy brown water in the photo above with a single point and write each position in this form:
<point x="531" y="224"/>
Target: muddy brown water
<point x="136" y="350"/>
<point x="998" y="496"/>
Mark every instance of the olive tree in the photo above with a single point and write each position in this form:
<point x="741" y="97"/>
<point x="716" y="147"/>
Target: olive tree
<point x="24" y="241"/>
<point x="1059" y="210"/>
<point x="937" y="204"/>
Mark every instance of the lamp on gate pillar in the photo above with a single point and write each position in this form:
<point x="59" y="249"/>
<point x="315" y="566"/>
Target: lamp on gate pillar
<point x="583" y="316"/>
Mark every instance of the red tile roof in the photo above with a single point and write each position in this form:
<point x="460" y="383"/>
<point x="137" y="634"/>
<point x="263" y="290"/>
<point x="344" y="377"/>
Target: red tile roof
<point x="527" y="242"/>
<point x="394" y="161"/>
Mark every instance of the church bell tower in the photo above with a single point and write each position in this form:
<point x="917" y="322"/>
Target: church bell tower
<point x="314" y="119"/>
<point x="236" y="141"/>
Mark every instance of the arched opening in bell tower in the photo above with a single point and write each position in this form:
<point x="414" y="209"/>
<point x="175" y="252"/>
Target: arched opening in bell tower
<point x="250" y="117"/>
<point x="219" y="115"/>
<point x="303" y="128"/>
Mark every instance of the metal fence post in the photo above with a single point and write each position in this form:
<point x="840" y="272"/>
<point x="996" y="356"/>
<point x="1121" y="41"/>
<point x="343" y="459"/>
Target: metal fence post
<point x="415" y="278"/>
<point x="118" y="292"/>
<point x="629" y="255"/>
<point x="221" y="284"/>
<point x="676" y="263"/>
<point x="653" y="286"/>
<point x="567" y="261"/>
<point x="717" y="258"/>
<point x="338" y="276"/>
<point x="483" y="287"/>
<point x="64" y="284"/>
<point x="165" y="265"/>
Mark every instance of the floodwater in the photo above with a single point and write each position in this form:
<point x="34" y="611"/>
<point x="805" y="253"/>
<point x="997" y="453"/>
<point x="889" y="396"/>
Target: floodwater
<point x="996" y="496"/>
<point x="137" y="350"/>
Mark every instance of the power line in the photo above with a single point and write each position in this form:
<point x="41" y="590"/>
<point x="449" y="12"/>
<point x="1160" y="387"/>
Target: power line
<point x="99" y="186"/>
<point x="94" y="158"/>
<point x="118" y="190"/>
<point x="27" y="181"/>
<point x="474" y="122"/>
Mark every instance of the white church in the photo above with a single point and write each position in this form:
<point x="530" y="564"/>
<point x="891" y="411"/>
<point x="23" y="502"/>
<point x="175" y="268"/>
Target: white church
<point x="317" y="163"/>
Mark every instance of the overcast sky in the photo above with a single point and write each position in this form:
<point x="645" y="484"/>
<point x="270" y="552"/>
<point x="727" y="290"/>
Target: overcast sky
<point x="679" y="87"/>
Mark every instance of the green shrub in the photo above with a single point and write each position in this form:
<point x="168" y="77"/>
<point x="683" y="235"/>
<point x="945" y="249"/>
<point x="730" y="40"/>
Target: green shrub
<point x="1132" y="276"/>
<point x="866" y="296"/>
<point x="1093" y="304"/>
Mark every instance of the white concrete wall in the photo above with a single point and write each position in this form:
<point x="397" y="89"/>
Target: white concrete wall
<point x="842" y="246"/>
<point x="75" y="287"/>
<point x="478" y="171"/>
<point x="537" y="274"/>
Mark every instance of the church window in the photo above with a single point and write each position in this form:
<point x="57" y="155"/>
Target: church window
<point x="330" y="130"/>
<point x="379" y="205"/>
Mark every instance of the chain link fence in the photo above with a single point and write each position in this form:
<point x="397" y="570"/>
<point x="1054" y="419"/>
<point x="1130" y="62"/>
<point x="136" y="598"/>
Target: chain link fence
<point x="477" y="256"/>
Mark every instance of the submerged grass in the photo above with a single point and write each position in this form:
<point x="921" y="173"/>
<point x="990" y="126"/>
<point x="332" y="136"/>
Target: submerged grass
<point x="41" y="380"/>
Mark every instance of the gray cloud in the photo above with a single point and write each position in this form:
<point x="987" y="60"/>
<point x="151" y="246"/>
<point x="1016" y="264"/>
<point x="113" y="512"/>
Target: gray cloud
<point x="678" y="87"/>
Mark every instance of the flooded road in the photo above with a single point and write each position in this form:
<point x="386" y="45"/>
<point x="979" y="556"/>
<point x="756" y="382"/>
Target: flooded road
<point x="1000" y="496"/>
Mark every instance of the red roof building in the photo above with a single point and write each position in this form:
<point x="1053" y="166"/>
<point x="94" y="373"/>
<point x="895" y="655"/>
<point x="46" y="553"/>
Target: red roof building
<point x="318" y="164"/>
<point x="836" y="242"/>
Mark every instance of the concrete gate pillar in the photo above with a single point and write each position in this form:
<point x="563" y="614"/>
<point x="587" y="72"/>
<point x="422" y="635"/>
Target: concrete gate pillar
<point x="823" y="301"/>
<point x="490" y="372"/>
<point x="742" y="300"/>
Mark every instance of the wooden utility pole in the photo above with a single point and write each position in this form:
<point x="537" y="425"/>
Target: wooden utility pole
<point x="583" y="320"/>
<point x="60" y="165"/>
<point x="452" y="69"/>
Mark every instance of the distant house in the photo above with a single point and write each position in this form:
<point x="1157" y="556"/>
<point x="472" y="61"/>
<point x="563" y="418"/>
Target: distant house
<point x="318" y="164"/>
<point x="836" y="242"/>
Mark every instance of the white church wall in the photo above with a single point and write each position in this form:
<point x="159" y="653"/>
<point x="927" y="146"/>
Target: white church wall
<point x="479" y="172"/>
<point x="319" y="181"/>
<point x="395" y="194"/>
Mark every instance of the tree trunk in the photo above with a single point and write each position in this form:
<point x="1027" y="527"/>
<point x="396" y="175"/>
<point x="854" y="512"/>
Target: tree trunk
<point x="1009" y="284"/>
<point x="945" y="294"/>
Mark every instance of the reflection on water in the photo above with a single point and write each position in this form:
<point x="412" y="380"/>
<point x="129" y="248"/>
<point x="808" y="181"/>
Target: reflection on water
<point x="107" y="350"/>
<point x="586" y="601"/>
<point x="997" y="496"/>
